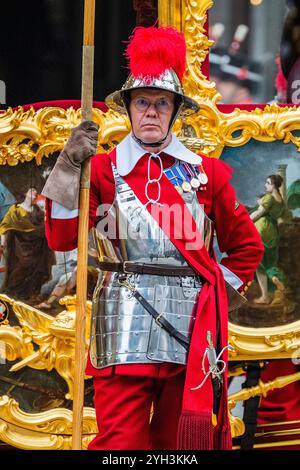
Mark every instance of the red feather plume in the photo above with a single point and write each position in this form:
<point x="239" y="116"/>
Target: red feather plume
<point x="151" y="51"/>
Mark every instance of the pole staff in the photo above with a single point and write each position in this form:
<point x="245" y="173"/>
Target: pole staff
<point x="83" y="226"/>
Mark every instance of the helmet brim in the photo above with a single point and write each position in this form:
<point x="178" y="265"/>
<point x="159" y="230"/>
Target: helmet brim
<point x="116" y="102"/>
<point x="167" y="82"/>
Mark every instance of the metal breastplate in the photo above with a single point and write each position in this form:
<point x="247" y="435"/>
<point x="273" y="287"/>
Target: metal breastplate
<point x="122" y="332"/>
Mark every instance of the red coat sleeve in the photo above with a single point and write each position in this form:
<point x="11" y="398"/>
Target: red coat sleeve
<point x="236" y="233"/>
<point x="62" y="233"/>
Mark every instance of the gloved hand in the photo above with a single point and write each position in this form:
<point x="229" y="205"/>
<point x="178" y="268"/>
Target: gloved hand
<point x="81" y="144"/>
<point x="63" y="183"/>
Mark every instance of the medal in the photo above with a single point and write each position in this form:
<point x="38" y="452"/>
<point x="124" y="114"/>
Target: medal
<point x="195" y="183"/>
<point x="190" y="173"/>
<point x="179" y="189"/>
<point x="202" y="177"/>
<point x="194" y="177"/>
<point x="186" y="186"/>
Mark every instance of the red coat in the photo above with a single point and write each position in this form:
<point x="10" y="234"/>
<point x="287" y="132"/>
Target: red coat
<point x="236" y="234"/>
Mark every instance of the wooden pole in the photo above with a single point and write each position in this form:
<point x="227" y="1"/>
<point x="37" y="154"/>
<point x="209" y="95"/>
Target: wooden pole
<point x="83" y="226"/>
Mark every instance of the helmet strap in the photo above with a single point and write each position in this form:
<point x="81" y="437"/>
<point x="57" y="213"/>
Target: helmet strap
<point x="153" y="144"/>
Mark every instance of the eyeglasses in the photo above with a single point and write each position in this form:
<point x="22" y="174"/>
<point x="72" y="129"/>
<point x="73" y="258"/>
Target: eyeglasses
<point x="162" y="105"/>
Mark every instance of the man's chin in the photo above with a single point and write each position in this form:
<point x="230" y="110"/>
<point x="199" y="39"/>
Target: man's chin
<point x="150" y="137"/>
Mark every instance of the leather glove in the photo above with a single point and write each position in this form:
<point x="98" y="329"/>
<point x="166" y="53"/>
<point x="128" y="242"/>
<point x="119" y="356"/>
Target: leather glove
<point x="81" y="144"/>
<point x="63" y="183"/>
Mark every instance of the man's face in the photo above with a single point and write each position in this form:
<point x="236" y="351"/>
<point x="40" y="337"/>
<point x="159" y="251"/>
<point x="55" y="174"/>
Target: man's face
<point x="151" y="111"/>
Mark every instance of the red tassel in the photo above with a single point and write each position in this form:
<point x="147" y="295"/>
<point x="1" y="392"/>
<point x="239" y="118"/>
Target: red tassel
<point x="152" y="50"/>
<point x="225" y="440"/>
<point x="222" y="439"/>
<point x="195" y="432"/>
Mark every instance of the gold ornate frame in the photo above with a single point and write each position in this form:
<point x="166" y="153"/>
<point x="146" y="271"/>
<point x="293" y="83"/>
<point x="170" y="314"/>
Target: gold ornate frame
<point x="34" y="135"/>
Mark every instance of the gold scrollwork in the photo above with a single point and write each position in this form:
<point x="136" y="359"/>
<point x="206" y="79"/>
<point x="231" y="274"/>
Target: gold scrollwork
<point x="28" y="135"/>
<point x="50" y="430"/>
<point x="190" y="16"/>
<point x="47" y="130"/>
<point x="55" y="337"/>
<point x="264" y="343"/>
<point x="194" y="15"/>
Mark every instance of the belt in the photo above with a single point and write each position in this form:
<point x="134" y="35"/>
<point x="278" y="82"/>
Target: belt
<point x="235" y="299"/>
<point x="128" y="267"/>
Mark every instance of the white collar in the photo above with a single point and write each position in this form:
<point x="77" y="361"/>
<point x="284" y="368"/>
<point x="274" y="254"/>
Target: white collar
<point x="129" y="152"/>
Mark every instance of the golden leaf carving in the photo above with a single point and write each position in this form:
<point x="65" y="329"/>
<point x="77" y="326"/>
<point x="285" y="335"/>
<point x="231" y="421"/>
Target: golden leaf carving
<point x="264" y="343"/>
<point x="50" y="430"/>
<point x="55" y="337"/>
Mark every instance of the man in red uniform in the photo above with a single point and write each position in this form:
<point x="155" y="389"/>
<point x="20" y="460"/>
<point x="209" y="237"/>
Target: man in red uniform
<point x="159" y="321"/>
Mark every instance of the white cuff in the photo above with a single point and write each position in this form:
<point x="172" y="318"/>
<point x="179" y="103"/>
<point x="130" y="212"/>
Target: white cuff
<point x="231" y="278"/>
<point x="60" y="212"/>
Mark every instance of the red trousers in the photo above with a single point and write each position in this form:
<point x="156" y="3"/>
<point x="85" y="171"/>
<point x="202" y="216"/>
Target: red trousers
<point x="123" y="405"/>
